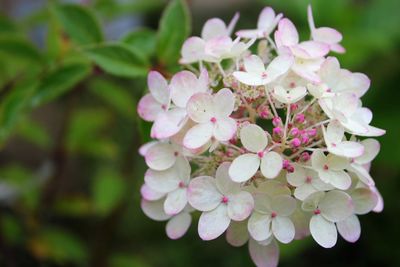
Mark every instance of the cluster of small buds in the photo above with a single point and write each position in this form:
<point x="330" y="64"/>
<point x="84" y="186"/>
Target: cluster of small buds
<point x="269" y="147"/>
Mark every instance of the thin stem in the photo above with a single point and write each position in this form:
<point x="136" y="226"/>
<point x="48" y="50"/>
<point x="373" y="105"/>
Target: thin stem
<point x="250" y="109"/>
<point x="221" y="69"/>
<point x="270" y="102"/>
<point x="272" y="43"/>
<point x="304" y="109"/>
<point x="286" y="124"/>
<point x="319" y="124"/>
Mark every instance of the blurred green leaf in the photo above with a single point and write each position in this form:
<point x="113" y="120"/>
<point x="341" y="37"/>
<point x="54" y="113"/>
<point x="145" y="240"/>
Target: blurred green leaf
<point x="143" y="40"/>
<point x="59" y="245"/>
<point x="58" y="82"/>
<point x="7" y="25"/>
<point x="85" y="133"/>
<point x="108" y="189"/>
<point x="115" y="95"/>
<point x="33" y="132"/>
<point x="174" y="28"/>
<point x="11" y="229"/>
<point x="13" y="107"/>
<point x="118" y="60"/>
<point x="126" y="260"/>
<point x="19" y="47"/>
<point x="79" y="23"/>
<point x="75" y="206"/>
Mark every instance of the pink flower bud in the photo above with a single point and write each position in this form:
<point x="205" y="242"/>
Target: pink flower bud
<point x="294" y="131"/>
<point x="305" y="139"/>
<point x="312" y="132"/>
<point x="300" y="118"/>
<point x="277" y="131"/>
<point x="286" y="163"/>
<point x="290" y="169"/>
<point x="295" y="142"/>
<point x="305" y="156"/>
<point x="294" y="107"/>
<point x="276" y="121"/>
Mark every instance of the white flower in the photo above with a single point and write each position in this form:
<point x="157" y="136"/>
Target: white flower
<point x="328" y="208"/>
<point x="325" y="35"/>
<point x="267" y="21"/>
<point x="271" y="217"/>
<point x="158" y="100"/>
<point x="306" y="182"/>
<point x="212" y="115"/>
<point x="162" y="155"/>
<point x="334" y="135"/>
<point x="221" y="201"/>
<point x="330" y="169"/>
<point x="256" y="73"/>
<point x="289" y="96"/>
<point x="173" y="182"/>
<point x="245" y="166"/>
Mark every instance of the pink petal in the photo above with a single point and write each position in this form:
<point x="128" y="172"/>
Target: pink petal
<point x="237" y="234"/>
<point x="224" y="103"/>
<point x="145" y="147"/>
<point x="175" y="201"/>
<point x="254" y="64"/>
<point x="327" y="35"/>
<point x="278" y="66"/>
<point x="213" y="28"/>
<point x="225" y="129"/>
<point x="200" y="107"/>
<point x="148" y="108"/>
<point x="149" y="194"/>
<point x="350" y="228"/>
<point x="264" y="256"/>
<point x="314" y="49"/>
<point x="192" y="50"/>
<point x="160" y="156"/>
<point x="213" y="223"/>
<point x="158" y="87"/>
<point x="288" y="35"/>
<point x="169" y="123"/>
<point x="259" y="226"/>
<point x="203" y="194"/>
<point x="183" y="85"/>
<point x="240" y="205"/>
<point x="266" y="18"/>
<point x="178" y="225"/>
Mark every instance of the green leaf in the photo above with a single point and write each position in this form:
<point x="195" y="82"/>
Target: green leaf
<point x="34" y="132"/>
<point x="6" y="25"/>
<point x="118" y="60"/>
<point x="11" y="229"/>
<point x="143" y="40"/>
<point x="19" y="47"/>
<point x="79" y="23"/>
<point x="58" y="82"/>
<point x="115" y="95"/>
<point x="175" y="27"/>
<point x="108" y="190"/>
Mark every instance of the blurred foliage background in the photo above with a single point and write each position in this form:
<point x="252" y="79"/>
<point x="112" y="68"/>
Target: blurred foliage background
<point x="71" y="73"/>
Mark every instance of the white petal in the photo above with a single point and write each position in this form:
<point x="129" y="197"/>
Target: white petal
<point x="312" y="201"/>
<point x="283" y="229"/>
<point x="224" y="103"/>
<point x="160" y="156"/>
<point x="336" y="206"/>
<point x="273" y="188"/>
<point x="266" y="18"/>
<point x="371" y="150"/>
<point x="264" y="256"/>
<point x="259" y="226"/>
<point x="287" y="33"/>
<point x="248" y="78"/>
<point x="278" y="66"/>
<point x="154" y="210"/>
<point x="298" y="177"/>
<point x="192" y="50"/>
<point x="253" y="138"/>
<point x="244" y="167"/>
<point x="364" y="200"/>
<point x="214" y="27"/>
<point x="149" y="194"/>
<point x="213" y="223"/>
<point x="178" y="225"/>
<point x="148" y="108"/>
<point x="200" y="107"/>
<point x="162" y="181"/>
<point x="203" y="194"/>
<point x="183" y="85"/>
<point x="318" y="159"/>
<point x="283" y="205"/>
<point x="169" y="123"/>
<point x="271" y="164"/>
<point x="289" y="96"/>
<point x="158" y="87"/>
<point x="301" y="221"/>
<point x="323" y="231"/>
<point x="225" y="129"/>
<point x="339" y="179"/>
<point x="198" y="135"/>
<point x="240" y="205"/>
<point x="237" y="234"/>
<point x="362" y="174"/>
<point x="224" y="183"/>
<point x="346" y="149"/>
<point x="304" y="190"/>
<point x="175" y="201"/>
<point x="350" y="228"/>
<point x="145" y="147"/>
<point x="254" y="64"/>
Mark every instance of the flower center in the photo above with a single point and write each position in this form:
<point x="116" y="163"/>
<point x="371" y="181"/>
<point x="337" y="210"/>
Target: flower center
<point x="308" y="179"/>
<point x="224" y="199"/>
<point x="213" y="120"/>
<point x="176" y="153"/>
<point x="326" y="167"/>
<point x="317" y="211"/>
<point x="182" y="184"/>
<point x="273" y="214"/>
<point x="164" y="107"/>
<point x="260" y="154"/>
<point x="264" y="75"/>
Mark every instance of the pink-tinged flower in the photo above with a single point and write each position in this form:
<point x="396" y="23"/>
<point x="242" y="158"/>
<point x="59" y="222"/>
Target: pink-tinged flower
<point x="334" y="135"/>
<point x="220" y="200"/>
<point x="346" y="108"/>
<point x="337" y="80"/>
<point x="158" y="100"/>
<point x="256" y="74"/>
<point x="149" y="194"/>
<point x="267" y="22"/>
<point x="328" y="209"/>
<point x="177" y="225"/>
<point x="173" y="182"/>
<point x="308" y="55"/>
<point x="331" y="168"/>
<point x="255" y="140"/>
<point x="306" y="182"/>
<point x="194" y="48"/>
<point x="325" y="35"/>
<point x="162" y="155"/>
<point x="360" y="164"/>
<point x="224" y="47"/>
<point x="271" y="218"/>
<point x="264" y="255"/>
<point x="290" y="95"/>
<point x="183" y="85"/>
<point x="211" y="112"/>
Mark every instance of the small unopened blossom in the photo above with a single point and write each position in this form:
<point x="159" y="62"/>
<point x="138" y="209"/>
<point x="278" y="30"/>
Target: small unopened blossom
<point x="265" y="137"/>
<point x="221" y="201"/>
<point x="245" y="166"/>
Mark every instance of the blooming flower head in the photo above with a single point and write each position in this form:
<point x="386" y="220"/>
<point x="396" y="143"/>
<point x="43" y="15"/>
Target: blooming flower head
<point x="269" y="146"/>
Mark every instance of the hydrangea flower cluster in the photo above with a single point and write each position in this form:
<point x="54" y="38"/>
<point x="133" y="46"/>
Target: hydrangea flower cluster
<point x="264" y="135"/>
